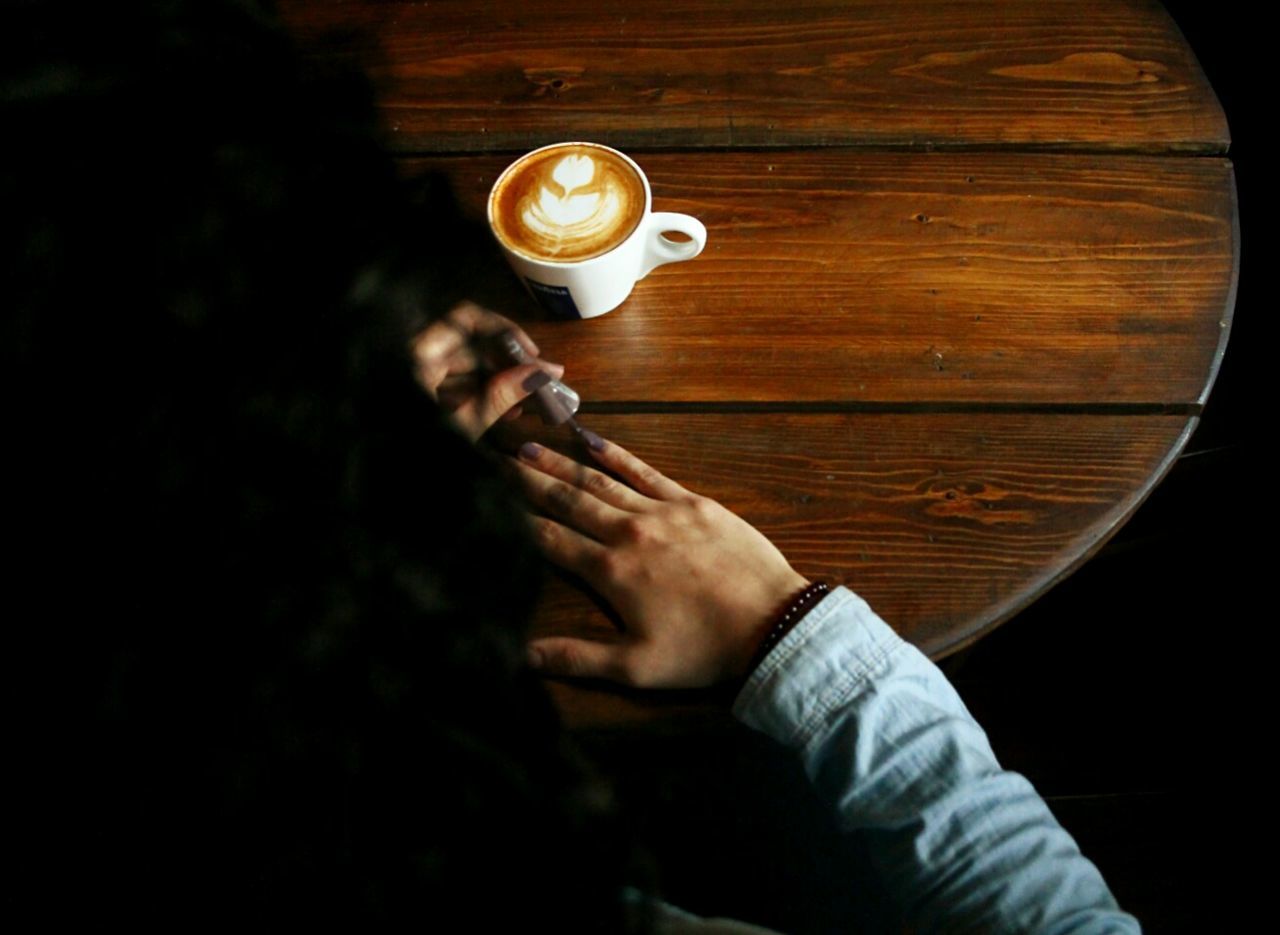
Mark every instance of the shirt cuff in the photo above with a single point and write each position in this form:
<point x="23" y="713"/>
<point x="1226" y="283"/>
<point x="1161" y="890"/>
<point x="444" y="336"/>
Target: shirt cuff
<point x="827" y="658"/>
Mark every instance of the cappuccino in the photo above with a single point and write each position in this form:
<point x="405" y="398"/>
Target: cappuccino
<point x="566" y="204"/>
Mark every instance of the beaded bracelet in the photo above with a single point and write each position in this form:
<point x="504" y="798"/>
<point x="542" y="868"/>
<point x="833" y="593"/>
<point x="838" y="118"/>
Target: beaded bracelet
<point x="792" y="614"/>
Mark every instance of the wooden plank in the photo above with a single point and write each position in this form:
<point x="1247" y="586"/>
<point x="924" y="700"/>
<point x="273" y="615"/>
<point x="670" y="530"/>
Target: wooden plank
<point x="510" y="75"/>
<point x="845" y="276"/>
<point x="946" y="523"/>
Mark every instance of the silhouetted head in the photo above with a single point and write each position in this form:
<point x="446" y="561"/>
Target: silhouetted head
<point x="267" y="607"/>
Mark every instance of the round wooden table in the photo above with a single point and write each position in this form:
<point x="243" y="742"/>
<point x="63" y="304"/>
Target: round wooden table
<point x="969" y="275"/>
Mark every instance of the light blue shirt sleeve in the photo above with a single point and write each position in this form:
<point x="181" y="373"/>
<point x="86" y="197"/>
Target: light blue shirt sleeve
<point x="961" y="844"/>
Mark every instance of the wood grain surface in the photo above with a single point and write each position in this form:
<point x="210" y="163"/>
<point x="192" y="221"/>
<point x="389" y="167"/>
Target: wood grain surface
<point x="464" y="76"/>
<point x="845" y="276"/>
<point x="946" y="524"/>
<point x="969" y="275"/>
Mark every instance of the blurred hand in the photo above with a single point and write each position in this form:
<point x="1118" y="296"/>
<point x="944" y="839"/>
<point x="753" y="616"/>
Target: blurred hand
<point x="695" y="585"/>
<point x="463" y="367"/>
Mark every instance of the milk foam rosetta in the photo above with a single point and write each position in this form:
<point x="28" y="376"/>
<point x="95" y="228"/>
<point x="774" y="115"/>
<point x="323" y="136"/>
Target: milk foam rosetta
<point x="568" y="203"/>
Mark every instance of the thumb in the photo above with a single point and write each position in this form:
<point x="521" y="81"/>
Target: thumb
<point x="588" y="659"/>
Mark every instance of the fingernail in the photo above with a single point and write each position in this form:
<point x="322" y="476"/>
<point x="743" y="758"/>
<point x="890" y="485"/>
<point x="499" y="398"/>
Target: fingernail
<point x="536" y="380"/>
<point x="530" y="451"/>
<point x="534" y="656"/>
<point x="556" y="370"/>
<point x="594" y="441"/>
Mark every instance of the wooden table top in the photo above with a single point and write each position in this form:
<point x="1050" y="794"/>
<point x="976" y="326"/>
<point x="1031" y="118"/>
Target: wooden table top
<point x="969" y="274"/>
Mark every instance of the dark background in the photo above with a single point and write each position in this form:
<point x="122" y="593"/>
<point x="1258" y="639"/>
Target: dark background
<point x="1128" y="695"/>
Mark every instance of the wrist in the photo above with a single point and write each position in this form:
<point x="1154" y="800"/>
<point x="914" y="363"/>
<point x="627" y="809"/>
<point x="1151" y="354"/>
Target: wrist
<point x="800" y="600"/>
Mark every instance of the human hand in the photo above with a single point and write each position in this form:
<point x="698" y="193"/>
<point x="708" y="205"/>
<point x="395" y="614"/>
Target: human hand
<point x="461" y="365"/>
<point x="696" y="586"/>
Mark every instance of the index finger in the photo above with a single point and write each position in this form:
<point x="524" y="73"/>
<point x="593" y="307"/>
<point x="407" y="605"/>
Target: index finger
<point x="647" y="480"/>
<point x="456" y="330"/>
<point x="601" y="486"/>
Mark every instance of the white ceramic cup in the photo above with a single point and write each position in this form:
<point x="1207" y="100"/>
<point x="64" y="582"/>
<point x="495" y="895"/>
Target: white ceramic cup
<point x="591" y="287"/>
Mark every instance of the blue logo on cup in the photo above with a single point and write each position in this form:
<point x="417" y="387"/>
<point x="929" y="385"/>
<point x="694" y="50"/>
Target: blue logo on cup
<point x="554" y="299"/>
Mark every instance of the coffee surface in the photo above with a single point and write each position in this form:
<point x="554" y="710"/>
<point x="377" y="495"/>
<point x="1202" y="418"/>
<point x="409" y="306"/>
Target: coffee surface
<point x="568" y="203"/>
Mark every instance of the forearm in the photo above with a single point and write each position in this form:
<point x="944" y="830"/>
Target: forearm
<point x="963" y="844"/>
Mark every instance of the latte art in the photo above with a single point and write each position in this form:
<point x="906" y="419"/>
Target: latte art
<point x="568" y="216"/>
<point x="568" y="203"/>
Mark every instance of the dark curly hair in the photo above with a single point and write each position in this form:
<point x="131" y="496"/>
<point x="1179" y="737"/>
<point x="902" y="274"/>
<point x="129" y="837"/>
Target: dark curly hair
<point x="266" y="608"/>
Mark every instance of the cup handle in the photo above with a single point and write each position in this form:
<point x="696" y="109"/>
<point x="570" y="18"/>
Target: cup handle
<point x="659" y="250"/>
